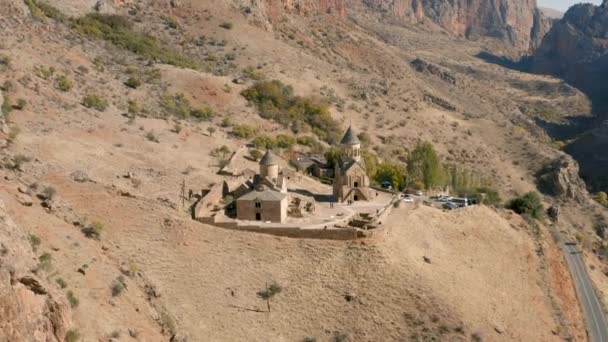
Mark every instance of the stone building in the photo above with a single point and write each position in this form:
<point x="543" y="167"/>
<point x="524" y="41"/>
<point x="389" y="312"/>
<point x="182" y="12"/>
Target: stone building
<point x="264" y="197"/>
<point x="351" y="182"/>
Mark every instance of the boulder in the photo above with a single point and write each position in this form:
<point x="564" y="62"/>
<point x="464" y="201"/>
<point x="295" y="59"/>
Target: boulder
<point x="104" y="7"/>
<point x="80" y="176"/>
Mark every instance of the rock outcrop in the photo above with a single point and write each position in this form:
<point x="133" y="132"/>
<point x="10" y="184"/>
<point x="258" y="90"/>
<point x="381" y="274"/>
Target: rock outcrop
<point x="30" y="308"/>
<point x="576" y="49"/>
<point x="561" y="178"/>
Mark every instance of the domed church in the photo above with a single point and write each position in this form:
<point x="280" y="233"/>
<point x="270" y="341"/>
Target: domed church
<point x="351" y="182"/>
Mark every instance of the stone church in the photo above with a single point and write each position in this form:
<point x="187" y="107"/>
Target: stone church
<point x="351" y="182"/>
<point x="264" y="197"/>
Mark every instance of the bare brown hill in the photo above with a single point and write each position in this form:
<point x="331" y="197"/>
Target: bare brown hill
<point x="116" y="152"/>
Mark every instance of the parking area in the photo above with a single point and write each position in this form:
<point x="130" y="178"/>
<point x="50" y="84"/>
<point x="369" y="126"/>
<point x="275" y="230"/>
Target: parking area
<point x="440" y="201"/>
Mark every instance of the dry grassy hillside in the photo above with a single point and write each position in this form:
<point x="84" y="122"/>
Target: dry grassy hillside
<point x="156" y="275"/>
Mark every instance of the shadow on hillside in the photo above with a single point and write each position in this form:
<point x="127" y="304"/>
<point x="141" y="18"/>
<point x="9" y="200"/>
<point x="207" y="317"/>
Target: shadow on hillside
<point x="522" y="65"/>
<point x="570" y="129"/>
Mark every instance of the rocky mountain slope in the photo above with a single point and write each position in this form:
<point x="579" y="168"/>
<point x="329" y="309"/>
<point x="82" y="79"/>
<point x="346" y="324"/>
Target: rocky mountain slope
<point x="116" y="152"/>
<point x="576" y="49"/>
<point x="518" y="23"/>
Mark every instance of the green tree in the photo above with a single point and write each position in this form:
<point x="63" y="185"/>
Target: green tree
<point x="371" y="163"/>
<point x="333" y="156"/>
<point x="390" y="172"/>
<point x="528" y="204"/>
<point x="424" y="166"/>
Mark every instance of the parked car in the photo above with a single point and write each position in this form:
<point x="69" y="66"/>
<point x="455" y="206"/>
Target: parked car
<point x="414" y="192"/>
<point x="408" y="200"/>
<point x="387" y="185"/>
<point x="463" y="202"/>
<point x="444" y="198"/>
<point x="450" y="206"/>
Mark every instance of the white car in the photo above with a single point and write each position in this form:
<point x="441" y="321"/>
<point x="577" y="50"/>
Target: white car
<point x="408" y="200"/>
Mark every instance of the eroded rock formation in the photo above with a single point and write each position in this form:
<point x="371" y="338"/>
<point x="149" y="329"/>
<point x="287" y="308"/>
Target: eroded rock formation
<point x="561" y="178"/>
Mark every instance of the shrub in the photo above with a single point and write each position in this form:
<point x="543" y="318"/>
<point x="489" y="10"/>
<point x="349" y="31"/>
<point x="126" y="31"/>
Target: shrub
<point x="306" y="141"/>
<point x="7" y="107"/>
<point x="211" y="130"/>
<point x="264" y="142"/>
<point x="276" y="101"/>
<point x="285" y="141"/>
<point x="251" y="73"/>
<point x="487" y="195"/>
<point x="601" y="198"/>
<point x="221" y="152"/>
<point x="119" y="31"/>
<point x="61" y="283"/>
<point x="132" y="107"/>
<point x="72" y="299"/>
<point x="151" y="136"/>
<point x="171" y="22"/>
<point x="49" y="192"/>
<point x="46" y="262"/>
<point x="72" y="336"/>
<point x="63" y="83"/>
<point x="95" y="102"/>
<point x="34" y="241"/>
<point x="270" y="292"/>
<point x="226" y="122"/>
<point x="528" y="204"/>
<point x="93" y="231"/>
<point x="256" y="154"/>
<point x="12" y="135"/>
<point x="44" y="72"/>
<point x="42" y="10"/>
<point x="133" y="82"/>
<point x="226" y="25"/>
<point x="16" y="163"/>
<point x="5" y="62"/>
<point x="177" y="128"/>
<point x="178" y="105"/>
<point x="20" y="105"/>
<point x="118" y="285"/>
<point x="203" y="113"/>
<point x="243" y="131"/>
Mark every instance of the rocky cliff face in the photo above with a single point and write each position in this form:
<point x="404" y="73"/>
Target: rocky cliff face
<point x="517" y="22"/>
<point x="576" y="49"/>
<point x="30" y="309"/>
